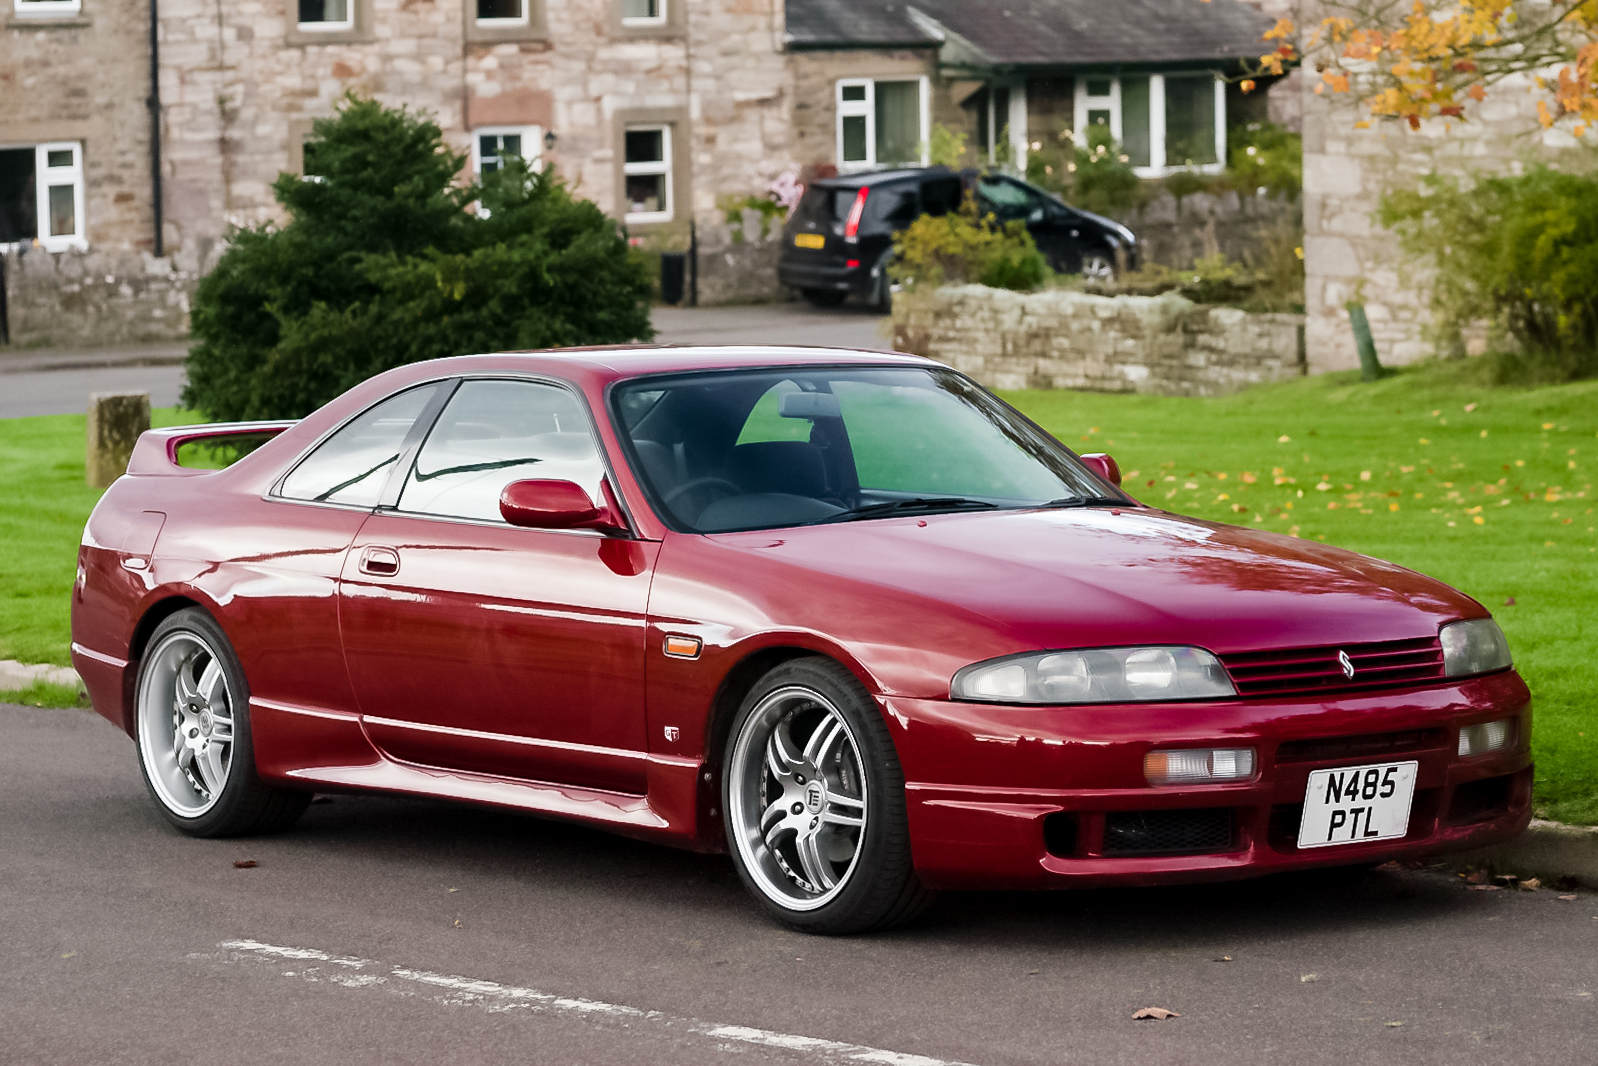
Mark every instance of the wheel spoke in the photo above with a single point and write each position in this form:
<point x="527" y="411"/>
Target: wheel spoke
<point x="817" y="869"/>
<point x="836" y="818"/>
<point x="773" y="815"/>
<point x="780" y="754"/>
<point x="209" y="677"/>
<point x="776" y="832"/>
<point x="178" y="747"/>
<point x="185" y="756"/>
<point x="209" y="764"/>
<point x="822" y="740"/>
<point x="203" y="769"/>
<point x="187" y="690"/>
<point x="221" y="729"/>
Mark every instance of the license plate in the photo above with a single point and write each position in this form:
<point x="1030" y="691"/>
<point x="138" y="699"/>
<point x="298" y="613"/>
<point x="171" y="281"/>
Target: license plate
<point x="1357" y="805"/>
<point x="809" y="240"/>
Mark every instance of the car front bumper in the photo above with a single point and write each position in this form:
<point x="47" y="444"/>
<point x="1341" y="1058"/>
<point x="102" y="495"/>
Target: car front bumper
<point x="1041" y="797"/>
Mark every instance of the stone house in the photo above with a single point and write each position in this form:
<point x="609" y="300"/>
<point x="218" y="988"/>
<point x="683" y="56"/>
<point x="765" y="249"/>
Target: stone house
<point x="665" y="112"/>
<point x="872" y="78"/>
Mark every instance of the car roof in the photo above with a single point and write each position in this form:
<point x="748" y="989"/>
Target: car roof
<point x="881" y="177"/>
<point x="608" y="363"/>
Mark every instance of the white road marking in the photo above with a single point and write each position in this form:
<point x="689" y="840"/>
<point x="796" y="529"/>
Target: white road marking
<point x="493" y="996"/>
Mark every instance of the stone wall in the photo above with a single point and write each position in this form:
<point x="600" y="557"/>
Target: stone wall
<point x="1347" y="255"/>
<point x="85" y="299"/>
<point x="1175" y="232"/>
<point x="1058" y="339"/>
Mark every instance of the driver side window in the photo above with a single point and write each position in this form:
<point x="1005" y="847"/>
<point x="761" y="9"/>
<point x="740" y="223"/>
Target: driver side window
<point x="492" y="433"/>
<point x="1008" y="200"/>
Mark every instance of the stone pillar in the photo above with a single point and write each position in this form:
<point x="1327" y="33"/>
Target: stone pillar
<point x="115" y="422"/>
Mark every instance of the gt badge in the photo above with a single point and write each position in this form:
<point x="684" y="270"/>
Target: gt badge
<point x="672" y="733"/>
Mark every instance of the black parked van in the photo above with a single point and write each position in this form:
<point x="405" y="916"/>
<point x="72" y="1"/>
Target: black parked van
<point x="840" y="237"/>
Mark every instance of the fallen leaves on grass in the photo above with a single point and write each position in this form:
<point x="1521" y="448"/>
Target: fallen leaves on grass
<point x="1568" y="899"/>
<point x="1484" y="888"/>
<point x="245" y="864"/>
<point x="1155" y="1013"/>
<point x="1531" y="884"/>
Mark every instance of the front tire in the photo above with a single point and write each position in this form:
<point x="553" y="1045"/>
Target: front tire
<point x="814" y="804"/>
<point x="192" y="731"/>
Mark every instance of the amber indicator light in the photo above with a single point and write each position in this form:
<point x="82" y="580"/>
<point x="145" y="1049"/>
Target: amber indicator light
<point x="683" y="647"/>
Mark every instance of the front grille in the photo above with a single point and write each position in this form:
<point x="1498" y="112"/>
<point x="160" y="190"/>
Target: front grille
<point x="1312" y="671"/>
<point x="1325" y="749"/>
<point x="1182" y="832"/>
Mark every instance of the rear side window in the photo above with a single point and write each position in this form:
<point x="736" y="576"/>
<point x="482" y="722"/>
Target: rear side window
<point x="492" y="433"/>
<point x="352" y="466"/>
<point x="941" y="196"/>
<point x="897" y="207"/>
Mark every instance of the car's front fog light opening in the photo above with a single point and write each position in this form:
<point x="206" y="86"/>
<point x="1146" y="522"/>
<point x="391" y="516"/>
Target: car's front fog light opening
<point x="1198" y="766"/>
<point x="1486" y="737"/>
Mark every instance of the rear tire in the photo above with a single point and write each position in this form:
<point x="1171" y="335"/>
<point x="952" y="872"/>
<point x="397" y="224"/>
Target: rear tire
<point x="192" y="731"/>
<point x="824" y="297"/>
<point x="814" y="805"/>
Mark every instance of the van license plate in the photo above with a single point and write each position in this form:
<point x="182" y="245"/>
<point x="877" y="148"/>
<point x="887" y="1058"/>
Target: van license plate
<point x="809" y="240"/>
<point x="1357" y="805"/>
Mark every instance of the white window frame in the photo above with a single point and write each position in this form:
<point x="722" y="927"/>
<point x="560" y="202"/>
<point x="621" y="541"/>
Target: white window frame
<point x="492" y="24"/>
<point x="46" y="8"/>
<point x="1158" y="167"/>
<point x="342" y="26"/>
<point x="1014" y="119"/>
<point x="653" y="167"/>
<point x="532" y="136"/>
<point x="44" y="178"/>
<point x="659" y="19"/>
<point x="854" y="109"/>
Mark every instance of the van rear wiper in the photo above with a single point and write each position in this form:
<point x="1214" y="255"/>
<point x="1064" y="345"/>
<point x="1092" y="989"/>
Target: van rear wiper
<point x="922" y="504"/>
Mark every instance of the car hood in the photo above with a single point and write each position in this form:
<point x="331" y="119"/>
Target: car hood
<point x="1084" y="577"/>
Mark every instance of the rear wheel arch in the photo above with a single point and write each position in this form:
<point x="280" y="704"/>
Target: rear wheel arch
<point x="153" y="616"/>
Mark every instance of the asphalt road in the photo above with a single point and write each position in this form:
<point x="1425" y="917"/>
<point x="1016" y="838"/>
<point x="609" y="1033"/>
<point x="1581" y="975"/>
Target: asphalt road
<point x="400" y="931"/>
<point x="59" y="382"/>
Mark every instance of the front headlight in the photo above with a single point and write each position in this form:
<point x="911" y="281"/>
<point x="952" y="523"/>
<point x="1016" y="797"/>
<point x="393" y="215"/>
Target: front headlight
<point x="1097" y="675"/>
<point x="1474" y="647"/>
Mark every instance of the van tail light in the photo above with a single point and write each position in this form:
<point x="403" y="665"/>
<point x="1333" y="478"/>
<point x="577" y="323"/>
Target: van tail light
<point x="851" y="225"/>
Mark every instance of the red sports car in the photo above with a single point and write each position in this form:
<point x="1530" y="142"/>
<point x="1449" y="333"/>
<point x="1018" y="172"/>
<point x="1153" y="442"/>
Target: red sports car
<point x="844" y="615"/>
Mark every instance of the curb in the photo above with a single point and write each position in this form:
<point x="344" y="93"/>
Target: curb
<point x="1552" y="851"/>
<point x="15" y="675"/>
<point x="1549" y="850"/>
<point x="43" y="360"/>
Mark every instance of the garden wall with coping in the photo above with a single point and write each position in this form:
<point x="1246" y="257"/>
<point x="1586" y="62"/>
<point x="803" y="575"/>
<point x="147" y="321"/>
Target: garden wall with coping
<point x="1061" y="339"/>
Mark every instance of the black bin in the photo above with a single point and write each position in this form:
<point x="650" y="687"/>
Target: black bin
<point x="673" y="269"/>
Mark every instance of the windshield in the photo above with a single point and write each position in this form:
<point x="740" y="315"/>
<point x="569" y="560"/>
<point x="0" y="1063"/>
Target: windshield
<point x="761" y="449"/>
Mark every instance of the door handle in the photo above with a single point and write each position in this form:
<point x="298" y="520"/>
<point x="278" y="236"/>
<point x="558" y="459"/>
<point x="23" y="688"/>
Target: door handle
<point x="380" y="562"/>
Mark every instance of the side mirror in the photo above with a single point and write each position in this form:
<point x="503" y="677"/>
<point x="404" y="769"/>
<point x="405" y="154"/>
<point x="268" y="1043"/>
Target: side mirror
<point x="1103" y="465"/>
<point x="547" y="504"/>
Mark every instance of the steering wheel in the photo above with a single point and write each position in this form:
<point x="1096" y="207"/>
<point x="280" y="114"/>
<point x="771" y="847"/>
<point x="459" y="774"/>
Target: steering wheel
<point x="698" y="483"/>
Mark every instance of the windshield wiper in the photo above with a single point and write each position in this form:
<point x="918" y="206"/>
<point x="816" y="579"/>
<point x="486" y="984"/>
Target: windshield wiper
<point x="1086" y="501"/>
<point x="923" y="504"/>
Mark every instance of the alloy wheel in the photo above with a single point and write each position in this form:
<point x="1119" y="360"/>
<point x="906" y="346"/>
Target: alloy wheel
<point x="185" y="723"/>
<point x="798" y="798"/>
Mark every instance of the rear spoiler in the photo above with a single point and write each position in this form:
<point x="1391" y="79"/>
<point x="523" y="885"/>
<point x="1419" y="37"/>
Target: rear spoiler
<point x="156" y="452"/>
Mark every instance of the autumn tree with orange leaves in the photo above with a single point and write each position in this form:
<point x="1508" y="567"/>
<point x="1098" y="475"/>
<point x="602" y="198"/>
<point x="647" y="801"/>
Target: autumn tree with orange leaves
<point x="1417" y="61"/>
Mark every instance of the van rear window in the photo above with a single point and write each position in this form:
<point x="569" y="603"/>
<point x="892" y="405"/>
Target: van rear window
<point x="827" y="203"/>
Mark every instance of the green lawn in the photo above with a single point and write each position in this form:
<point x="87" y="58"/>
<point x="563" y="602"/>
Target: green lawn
<point x="1487" y="489"/>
